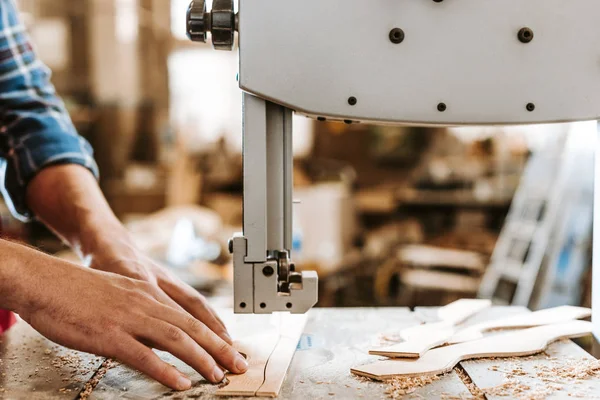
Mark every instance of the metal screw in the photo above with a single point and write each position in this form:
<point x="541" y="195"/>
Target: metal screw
<point x="242" y="305"/>
<point x="441" y="107"/>
<point x="289" y="305"/>
<point x="268" y="271"/>
<point x="396" y="35"/>
<point x="438" y="1"/>
<point x="525" y="35"/>
<point x="530" y="107"/>
<point x="263" y="305"/>
<point x="352" y="101"/>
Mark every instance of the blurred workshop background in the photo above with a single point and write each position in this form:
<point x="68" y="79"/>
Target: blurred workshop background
<point x="387" y="215"/>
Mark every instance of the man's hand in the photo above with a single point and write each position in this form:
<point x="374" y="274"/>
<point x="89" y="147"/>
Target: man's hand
<point x="68" y="200"/>
<point x="119" y="255"/>
<point x="112" y="316"/>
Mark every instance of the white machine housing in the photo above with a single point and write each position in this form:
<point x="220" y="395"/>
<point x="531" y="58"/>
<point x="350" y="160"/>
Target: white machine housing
<point x="422" y="62"/>
<point x="313" y="55"/>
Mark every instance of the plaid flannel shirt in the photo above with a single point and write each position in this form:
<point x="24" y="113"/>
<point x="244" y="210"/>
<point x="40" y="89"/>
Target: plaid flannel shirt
<point x="35" y="128"/>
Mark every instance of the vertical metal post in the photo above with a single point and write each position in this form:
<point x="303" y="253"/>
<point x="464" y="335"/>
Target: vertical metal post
<point x="288" y="176"/>
<point x="255" y="177"/>
<point x="279" y="177"/>
<point x="275" y="177"/>
<point x="596" y="243"/>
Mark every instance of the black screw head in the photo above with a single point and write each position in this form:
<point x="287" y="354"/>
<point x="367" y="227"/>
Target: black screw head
<point x="322" y="119"/>
<point x="242" y="305"/>
<point x="442" y="107"/>
<point x="230" y="246"/>
<point x="525" y="35"/>
<point x="348" y="122"/>
<point x="438" y="1"/>
<point x="396" y="35"/>
<point x="268" y="271"/>
<point x="263" y="305"/>
<point x="530" y="107"/>
<point x="352" y="101"/>
<point x="289" y="305"/>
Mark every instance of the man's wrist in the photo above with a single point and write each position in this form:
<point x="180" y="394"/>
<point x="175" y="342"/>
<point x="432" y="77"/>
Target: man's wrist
<point x="100" y="234"/>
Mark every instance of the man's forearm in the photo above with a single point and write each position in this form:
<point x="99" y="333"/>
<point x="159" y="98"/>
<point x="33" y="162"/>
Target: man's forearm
<point x="17" y="264"/>
<point x="68" y="200"/>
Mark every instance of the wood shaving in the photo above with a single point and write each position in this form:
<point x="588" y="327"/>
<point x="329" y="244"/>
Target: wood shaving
<point x="402" y="385"/>
<point x="92" y="383"/>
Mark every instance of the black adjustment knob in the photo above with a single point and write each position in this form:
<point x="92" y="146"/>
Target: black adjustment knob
<point x="198" y="21"/>
<point x="223" y="24"/>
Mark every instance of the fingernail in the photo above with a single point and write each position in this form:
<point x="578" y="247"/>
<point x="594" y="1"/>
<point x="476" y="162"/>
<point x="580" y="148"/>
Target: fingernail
<point x="241" y="364"/>
<point x="218" y="374"/>
<point x="184" y="383"/>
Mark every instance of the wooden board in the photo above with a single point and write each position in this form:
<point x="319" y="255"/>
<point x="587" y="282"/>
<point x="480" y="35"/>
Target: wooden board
<point x="421" y="338"/>
<point x="269" y="356"/>
<point x="441" y="360"/>
<point x="431" y="256"/>
<point x="32" y="367"/>
<point x="439" y="280"/>
<point x="524" y="320"/>
<point x="459" y="311"/>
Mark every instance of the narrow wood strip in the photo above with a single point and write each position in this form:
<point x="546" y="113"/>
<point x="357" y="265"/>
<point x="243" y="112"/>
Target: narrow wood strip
<point x="443" y="359"/>
<point x="281" y="358"/>
<point x="257" y="349"/>
<point x="276" y="346"/>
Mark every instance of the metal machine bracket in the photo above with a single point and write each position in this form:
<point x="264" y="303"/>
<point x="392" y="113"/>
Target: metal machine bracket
<point x="265" y="279"/>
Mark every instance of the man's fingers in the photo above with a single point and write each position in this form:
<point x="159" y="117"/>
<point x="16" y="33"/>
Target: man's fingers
<point x="178" y="342"/>
<point x="145" y="360"/>
<point x="196" y="305"/>
<point x="220" y="350"/>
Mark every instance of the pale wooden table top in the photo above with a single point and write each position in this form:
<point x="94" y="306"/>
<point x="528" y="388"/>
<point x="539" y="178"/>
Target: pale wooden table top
<point x="334" y="340"/>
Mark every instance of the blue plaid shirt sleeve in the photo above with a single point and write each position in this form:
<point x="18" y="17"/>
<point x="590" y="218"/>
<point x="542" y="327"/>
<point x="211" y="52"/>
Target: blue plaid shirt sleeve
<point x="35" y="128"/>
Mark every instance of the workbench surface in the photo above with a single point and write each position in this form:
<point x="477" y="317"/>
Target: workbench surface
<point x="334" y="340"/>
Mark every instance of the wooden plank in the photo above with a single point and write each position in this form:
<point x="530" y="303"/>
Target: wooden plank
<point x="257" y="349"/>
<point x="269" y="356"/>
<point x="525" y="320"/>
<point x="421" y="338"/>
<point x="459" y="311"/>
<point x="431" y="256"/>
<point x="520" y="343"/>
<point x="279" y="362"/>
<point x="438" y="280"/>
<point x="32" y="367"/>
<point x="425" y="337"/>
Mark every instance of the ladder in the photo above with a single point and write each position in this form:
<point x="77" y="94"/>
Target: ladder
<point x="519" y="253"/>
<point x="560" y="281"/>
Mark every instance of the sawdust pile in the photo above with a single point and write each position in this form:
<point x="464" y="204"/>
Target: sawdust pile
<point x="402" y="385"/>
<point x="92" y="383"/>
<point x="549" y="377"/>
